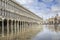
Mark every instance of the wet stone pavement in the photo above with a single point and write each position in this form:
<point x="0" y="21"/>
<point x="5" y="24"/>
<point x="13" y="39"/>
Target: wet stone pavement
<point x="49" y="33"/>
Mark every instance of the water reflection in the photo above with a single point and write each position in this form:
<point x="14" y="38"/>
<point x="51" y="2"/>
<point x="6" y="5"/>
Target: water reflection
<point x="50" y="32"/>
<point x="55" y="28"/>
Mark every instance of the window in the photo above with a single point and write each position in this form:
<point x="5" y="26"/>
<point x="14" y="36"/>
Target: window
<point x="3" y="12"/>
<point x="6" y="13"/>
<point x="0" y="13"/>
<point x="13" y="15"/>
<point x="3" y="4"/>
<point x="10" y="14"/>
<point x="0" y="3"/>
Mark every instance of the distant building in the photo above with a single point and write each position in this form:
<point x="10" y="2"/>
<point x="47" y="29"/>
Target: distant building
<point x="54" y="20"/>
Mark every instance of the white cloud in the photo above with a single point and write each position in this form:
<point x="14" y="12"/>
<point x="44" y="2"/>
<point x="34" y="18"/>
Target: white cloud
<point x="25" y="1"/>
<point x="55" y="9"/>
<point x="40" y="8"/>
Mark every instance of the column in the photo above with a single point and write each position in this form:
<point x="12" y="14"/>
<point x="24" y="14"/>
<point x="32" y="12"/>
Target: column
<point x="26" y="26"/>
<point x="2" y="27"/>
<point x="15" y="27"/>
<point x="20" y="29"/>
<point x="11" y="27"/>
<point x="7" y="27"/>
<point x="31" y="25"/>
<point x="22" y="26"/>
<point x="18" y="26"/>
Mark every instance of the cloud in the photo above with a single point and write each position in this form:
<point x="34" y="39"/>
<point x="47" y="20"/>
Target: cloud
<point x="42" y="7"/>
<point x="55" y="9"/>
<point x="25" y="1"/>
<point x="47" y="1"/>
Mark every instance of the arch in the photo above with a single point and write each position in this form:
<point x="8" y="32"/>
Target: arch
<point x="1" y="27"/>
<point x="20" y="22"/>
<point x="9" y="26"/>
<point x="13" y="26"/>
<point x="19" y="25"/>
<point x="16" y="26"/>
<point x="5" y="26"/>
<point x="23" y="24"/>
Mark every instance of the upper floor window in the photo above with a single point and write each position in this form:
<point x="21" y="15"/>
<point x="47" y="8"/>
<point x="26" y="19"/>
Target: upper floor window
<point x="0" y="12"/>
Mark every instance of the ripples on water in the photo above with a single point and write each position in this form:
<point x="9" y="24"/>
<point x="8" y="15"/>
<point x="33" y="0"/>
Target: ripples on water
<point x="50" y="32"/>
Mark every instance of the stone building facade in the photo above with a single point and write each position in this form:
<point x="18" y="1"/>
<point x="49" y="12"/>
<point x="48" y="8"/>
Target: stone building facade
<point x="14" y="18"/>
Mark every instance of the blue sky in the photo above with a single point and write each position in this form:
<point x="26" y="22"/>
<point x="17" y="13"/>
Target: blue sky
<point x="42" y="8"/>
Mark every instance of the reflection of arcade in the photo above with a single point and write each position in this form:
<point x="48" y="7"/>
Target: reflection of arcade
<point x="55" y="22"/>
<point x="56" y="27"/>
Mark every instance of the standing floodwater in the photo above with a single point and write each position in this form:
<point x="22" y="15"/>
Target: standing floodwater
<point x="49" y="33"/>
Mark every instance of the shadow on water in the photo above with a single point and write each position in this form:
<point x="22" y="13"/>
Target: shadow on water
<point x="50" y="32"/>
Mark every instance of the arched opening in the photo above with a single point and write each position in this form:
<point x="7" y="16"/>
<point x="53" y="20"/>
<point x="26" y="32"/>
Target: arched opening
<point x="26" y="24"/>
<point x="16" y="26"/>
<point x="13" y="26"/>
<point x="23" y="24"/>
<point x="19" y="25"/>
<point x="5" y="26"/>
<point x="9" y="26"/>
<point x="0" y="27"/>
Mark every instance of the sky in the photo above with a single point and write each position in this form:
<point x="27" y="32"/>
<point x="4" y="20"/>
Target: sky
<point x="43" y="8"/>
